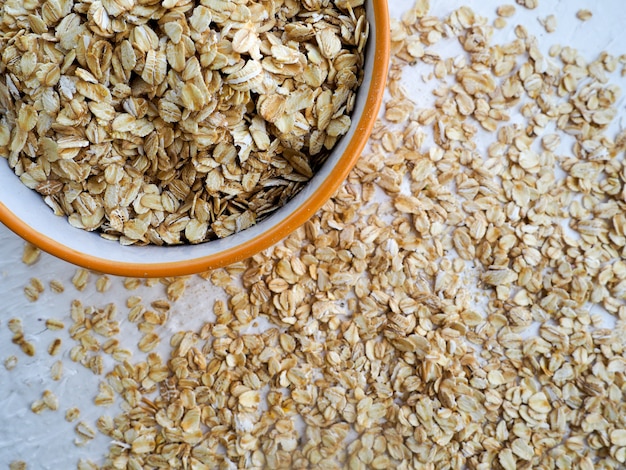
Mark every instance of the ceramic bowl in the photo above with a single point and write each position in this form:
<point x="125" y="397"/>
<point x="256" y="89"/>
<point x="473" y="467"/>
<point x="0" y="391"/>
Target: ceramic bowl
<point x="24" y="212"/>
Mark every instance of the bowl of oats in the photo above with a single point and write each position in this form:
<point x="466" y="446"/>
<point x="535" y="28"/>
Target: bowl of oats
<point x="174" y="137"/>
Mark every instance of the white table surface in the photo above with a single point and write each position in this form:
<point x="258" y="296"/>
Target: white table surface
<point x="46" y="441"/>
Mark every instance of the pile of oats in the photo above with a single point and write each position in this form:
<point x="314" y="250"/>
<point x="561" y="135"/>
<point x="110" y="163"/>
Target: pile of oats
<point x="441" y="311"/>
<point x="176" y="121"/>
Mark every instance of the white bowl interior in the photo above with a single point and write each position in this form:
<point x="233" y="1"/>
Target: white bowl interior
<point x="28" y="205"/>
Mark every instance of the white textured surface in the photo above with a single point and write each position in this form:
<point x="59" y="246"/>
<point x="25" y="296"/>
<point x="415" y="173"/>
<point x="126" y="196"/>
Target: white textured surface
<point x="46" y="441"/>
